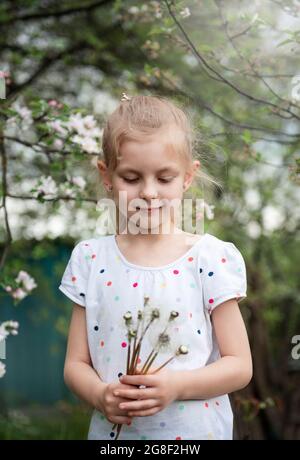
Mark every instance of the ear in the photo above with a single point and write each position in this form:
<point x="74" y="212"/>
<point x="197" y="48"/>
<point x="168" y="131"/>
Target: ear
<point x="189" y="175"/>
<point x="103" y="170"/>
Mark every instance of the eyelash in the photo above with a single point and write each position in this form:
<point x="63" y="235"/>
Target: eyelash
<point x="164" y="181"/>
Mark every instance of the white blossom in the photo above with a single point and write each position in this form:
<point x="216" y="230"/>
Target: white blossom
<point x="84" y="126"/>
<point x="88" y="144"/>
<point x="8" y="327"/>
<point x="19" y="294"/>
<point x="58" y="144"/>
<point x="79" y="181"/>
<point x="25" y="115"/>
<point x="133" y="10"/>
<point x="58" y="126"/>
<point x="185" y="13"/>
<point x="46" y="187"/>
<point x="27" y="281"/>
<point x="67" y="190"/>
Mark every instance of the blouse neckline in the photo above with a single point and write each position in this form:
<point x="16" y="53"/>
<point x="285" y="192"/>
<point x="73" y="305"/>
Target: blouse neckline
<point x="161" y="267"/>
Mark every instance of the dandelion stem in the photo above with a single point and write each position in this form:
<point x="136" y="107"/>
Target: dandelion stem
<point x="118" y="430"/>
<point x="128" y="356"/>
<point x="147" y="360"/>
<point x="163" y="365"/>
<point x="150" y="363"/>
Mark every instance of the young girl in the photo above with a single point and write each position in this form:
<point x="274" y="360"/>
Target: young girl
<point x="148" y="159"/>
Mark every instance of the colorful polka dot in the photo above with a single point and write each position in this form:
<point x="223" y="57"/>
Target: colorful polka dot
<point x="96" y="328"/>
<point x="108" y="359"/>
<point x="206" y="405"/>
<point x="217" y="403"/>
<point x="211" y="301"/>
<point x="175" y="272"/>
<point x="192" y="285"/>
<point x="86" y="244"/>
<point x="143" y="438"/>
<point x="109" y="283"/>
<point x="101" y="343"/>
<point x="162" y="424"/>
<point x="199" y="332"/>
<point x="181" y="407"/>
<point x="178" y="438"/>
<point x="190" y="259"/>
<point x="82" y="294"/>
<point x="210" y="273"/>
<point x="223" y="260"/>
<point x="74" y="279"/>
<point x="200" y="270"/>
<point x="102" y="270"/>
<point x="112" y="434"/>
<point x="135" y="284"/>
<point x="117" y="297"/>
<point x="123" y="344"/>
<point x="93" y="256"/>
<point x="191" y="315"/>
<point x="120" y="374"/>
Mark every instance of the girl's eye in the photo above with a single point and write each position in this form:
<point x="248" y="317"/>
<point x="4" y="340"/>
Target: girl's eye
<point x="134" y="180"/>
<point x="129" y="180"/>
<point x="166" y="180"/>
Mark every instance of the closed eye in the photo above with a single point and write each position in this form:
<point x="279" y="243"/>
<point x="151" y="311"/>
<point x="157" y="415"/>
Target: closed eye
<point x="164" y="181"/>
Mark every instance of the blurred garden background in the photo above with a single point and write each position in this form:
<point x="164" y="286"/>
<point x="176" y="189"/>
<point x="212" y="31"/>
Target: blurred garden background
<point x="234" y="66"/>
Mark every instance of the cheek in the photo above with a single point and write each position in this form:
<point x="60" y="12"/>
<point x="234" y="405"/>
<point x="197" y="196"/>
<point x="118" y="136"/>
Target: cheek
<point x="174" y="191"/>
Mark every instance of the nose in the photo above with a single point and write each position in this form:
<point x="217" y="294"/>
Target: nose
<point x="148" y="192"/>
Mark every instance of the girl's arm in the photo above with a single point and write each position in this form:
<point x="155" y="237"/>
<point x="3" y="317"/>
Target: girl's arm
<point x="81" y="377"/>
<point x="233" y="370"/>
<point x="79" y="374"/>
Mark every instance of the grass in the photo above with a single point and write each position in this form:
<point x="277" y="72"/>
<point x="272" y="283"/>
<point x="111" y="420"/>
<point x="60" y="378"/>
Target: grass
<point x="62" y="421"/>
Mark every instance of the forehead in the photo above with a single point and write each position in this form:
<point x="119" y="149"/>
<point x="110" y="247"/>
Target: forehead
<point x="148" y="156"/>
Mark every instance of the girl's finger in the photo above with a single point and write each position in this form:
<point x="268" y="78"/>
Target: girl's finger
<point x="144" y="413"/>
<point x="135" y="394"/>
<point x="138" y="405"/>
<point x="121" y="419"/>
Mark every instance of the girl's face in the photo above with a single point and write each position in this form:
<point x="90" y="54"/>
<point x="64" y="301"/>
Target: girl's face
<point x="149" y="176"/>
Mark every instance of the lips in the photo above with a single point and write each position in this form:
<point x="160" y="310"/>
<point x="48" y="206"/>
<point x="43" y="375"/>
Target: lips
<point x="148" y="209"/>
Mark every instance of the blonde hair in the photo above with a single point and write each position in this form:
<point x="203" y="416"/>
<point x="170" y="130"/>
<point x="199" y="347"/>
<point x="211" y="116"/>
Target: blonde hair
<point x="140" y="117"/>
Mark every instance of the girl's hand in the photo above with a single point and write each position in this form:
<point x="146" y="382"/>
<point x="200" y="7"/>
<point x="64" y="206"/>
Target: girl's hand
<point x="109" y="403"/>
<point x="161" y="389"/>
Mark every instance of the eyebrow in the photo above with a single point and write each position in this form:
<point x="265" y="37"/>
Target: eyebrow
<point x="166" y="168"/>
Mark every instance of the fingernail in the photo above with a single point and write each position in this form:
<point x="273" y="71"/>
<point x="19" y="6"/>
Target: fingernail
<point x="116" y="393"/>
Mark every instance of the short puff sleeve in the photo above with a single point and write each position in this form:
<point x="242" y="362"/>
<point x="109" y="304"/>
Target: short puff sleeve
<point x="74" y="280"/>
<point x="224" y="276"/>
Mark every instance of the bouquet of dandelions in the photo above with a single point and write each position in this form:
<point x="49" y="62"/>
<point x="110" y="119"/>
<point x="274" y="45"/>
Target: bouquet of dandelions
<point x="157" y="323"/>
